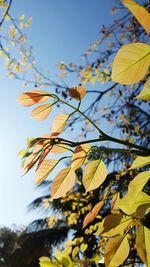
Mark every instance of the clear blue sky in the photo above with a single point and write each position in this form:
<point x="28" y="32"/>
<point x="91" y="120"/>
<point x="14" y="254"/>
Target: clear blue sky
<point x="61" y="30"/>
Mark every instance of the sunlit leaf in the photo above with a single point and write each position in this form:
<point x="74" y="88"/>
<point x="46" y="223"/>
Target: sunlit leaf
<point x="131" y="63"/>
<point x="141" y="14"/>
<point x="46" y="262"/>
<point x="135" y="197"/>
<point x="75" y="252"/>
<point x="83" y="247"/>
<point x="79" y="156"/>
<point x="33" y="97"/>
<point x="45" y="169"/>
<point x="29" y="163"/>
<point x="77" y="92"/>
<point x="92" y="214"/>
<point x="113" y="224"/>
<point x="140" y="162"/>
<point x="143" y="244"/>
<point x="145" y="93"/>
<point x="116" y="251"/>
<point x="64" y="259"/>
<point x="94" y="175"/>
<point x="63" y="183"/>
<point x="41" y="112"/>
<point x="56" y="149"/>
<point x="59" y="123"/>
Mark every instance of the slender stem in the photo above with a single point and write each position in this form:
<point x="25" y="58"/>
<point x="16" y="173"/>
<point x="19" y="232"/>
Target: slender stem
<point x="78" y="110"/>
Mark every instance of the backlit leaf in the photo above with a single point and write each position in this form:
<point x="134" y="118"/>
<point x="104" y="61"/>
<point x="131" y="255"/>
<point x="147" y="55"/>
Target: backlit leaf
<point x="116" y="251"/>
<point x="33" y="97"/>
<point x="141" y="14"/>
<point x="77" y="92"/>
<point x="42" y="112"/>
<point x="79" y="156"/>
<point x="135" y="197"/>
<point x="29" y="163"/>
<point x="143" y="244"/>
<point x="63" y="183"/>
<point x="140" y="162"/>
<point x="145" y="93"/>
<point x="94" y="175"/>
<point x="59" y="123"/>
<point x="114" y="224"/>
<point x="131" y="63"/>
<point x="46" y="262"/>
<point x="56" y="149"/>
<point x="92" y="214"/>
<point x="45" y="169"/>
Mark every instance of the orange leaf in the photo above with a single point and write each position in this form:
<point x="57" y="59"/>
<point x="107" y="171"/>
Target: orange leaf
<point x="44" y="169"/>
<point x="41" y="112"/>
<point x="59" y="123"/>
<point x="94" y="175"/>
<point x="92" y="214"/>
<point x="77" y="92"/>
<point x="141" y="14"/>
<point x="33" y="97"/>
<point x="63" y="183"/>
<point x="29" y="163"/>
<point x="79" y="156"/>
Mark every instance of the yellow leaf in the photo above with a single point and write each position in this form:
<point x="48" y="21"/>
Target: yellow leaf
<point x="143" y="244"/>
<point x="83" y="247"/>
<point x="45" y="169"/>
<point x="114" y="224"/>
<point x="46" y="262"/>
<point x="94" y="175"/>
<point x="131" y="63"/>
<point x="141" y="14"/>
<point x="140" y="162"/>
<point x="77" y="92"/>
<point x="79" y="156"/>
<point x="135" y="197"/>
<point x="116" y="251"/>
<point x="92" y="214"/>
<point x="145" y="93"/>
<point x="63" y="183"/>
<point x="59" y="123"/>
<point x="33" y="97"/>
<point x="56" y="149"/>
<point x="75" y="252"/>
<point x="42" y="112"/>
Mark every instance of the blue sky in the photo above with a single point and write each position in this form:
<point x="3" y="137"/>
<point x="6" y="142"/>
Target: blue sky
<point x="61" y="30"/>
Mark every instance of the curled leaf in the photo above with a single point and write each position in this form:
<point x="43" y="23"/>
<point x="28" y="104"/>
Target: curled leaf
<point x="77" y="92"/>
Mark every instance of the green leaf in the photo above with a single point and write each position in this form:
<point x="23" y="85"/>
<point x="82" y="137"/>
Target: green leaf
<point x="116" y="251"/>
<point x="131" y="63"/>
<point x="135" y="197"/>
<point x="140" y="162"/>
<point x="145" y="93"/>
